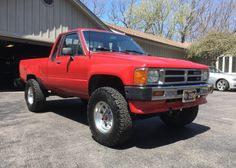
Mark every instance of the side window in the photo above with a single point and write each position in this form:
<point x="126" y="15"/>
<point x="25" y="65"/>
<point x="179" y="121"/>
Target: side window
<point x="72" y="41"/>
<point x="54" y="53"/>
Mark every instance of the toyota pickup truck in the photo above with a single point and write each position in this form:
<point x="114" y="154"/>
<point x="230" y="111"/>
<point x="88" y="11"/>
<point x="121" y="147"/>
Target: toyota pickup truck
<point x="112" y="73"/>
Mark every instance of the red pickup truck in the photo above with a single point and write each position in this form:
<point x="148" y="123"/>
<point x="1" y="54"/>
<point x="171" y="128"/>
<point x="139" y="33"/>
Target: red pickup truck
<point x="119" y="81"/>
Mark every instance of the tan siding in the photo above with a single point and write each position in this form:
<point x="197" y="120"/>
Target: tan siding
<point x="20" y="16"/>
<point x="11" y="15"/>
<point x="43" y="20"/>
<point x="32" y="19"/>
<point x="28" y="26"/>
<point x="160" y="49"/>
<point x="36" y="18"/>
<point x="3" y="16"/>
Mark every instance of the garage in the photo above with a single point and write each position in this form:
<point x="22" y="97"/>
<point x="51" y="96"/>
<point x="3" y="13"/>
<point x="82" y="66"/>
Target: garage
<point x="12" y="51"/>
<point x="29" y="27"/>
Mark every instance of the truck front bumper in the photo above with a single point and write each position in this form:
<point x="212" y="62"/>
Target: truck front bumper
<point x="149" y="99"/>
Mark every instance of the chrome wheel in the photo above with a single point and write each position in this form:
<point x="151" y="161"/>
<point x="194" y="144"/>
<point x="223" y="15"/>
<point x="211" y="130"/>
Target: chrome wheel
<point x="103" y="117"/>
<point x="222" y="85"/>
<point x="30" y="96"/>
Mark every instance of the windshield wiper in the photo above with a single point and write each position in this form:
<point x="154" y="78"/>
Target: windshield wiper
<point x="102" y="49"/>
<point x="124" y="51"/>
<point x="133" y="51"/>
<point x="106" y="49"/>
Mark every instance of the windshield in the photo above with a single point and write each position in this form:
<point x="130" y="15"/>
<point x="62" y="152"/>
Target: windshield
<point x="111" y="42"/>
<point x="214" y="70"/>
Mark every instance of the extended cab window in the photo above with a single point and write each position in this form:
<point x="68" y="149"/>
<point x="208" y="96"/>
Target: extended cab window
<point x="54" y="53"/>
<point x="72" y="41"/>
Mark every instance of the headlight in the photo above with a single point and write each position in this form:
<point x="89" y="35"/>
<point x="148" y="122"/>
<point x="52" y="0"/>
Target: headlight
<point x="144" y="76"/>
<point x="153" y="76"/>
<point x="205" y="75"/>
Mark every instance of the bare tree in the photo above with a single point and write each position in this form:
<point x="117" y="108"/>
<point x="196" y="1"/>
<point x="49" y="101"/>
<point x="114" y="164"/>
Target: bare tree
<point x="181" y="20"/>
<point x="188" y="16"/>
<point x="217" y="17"/>
<point x="153" y="16"/>
<point x="122" y="11"/>
<point x="96" y="6"/>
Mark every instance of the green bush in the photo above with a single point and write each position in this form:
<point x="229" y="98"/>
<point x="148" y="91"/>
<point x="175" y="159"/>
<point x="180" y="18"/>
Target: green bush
<point x="212" y="46"/>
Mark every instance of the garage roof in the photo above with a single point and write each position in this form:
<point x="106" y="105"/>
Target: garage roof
<point x="147" y="36"/>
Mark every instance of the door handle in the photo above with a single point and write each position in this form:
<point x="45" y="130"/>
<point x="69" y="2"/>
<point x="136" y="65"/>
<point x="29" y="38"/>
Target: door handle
<point x="58" y="62"/>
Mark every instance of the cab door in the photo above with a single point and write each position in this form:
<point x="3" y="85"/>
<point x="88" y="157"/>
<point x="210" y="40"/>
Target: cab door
<point x="76" y="70"/>
<point x="53" y="70"/>
<point x="70" y="66"/>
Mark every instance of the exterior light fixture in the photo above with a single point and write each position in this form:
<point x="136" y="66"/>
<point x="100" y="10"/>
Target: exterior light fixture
<point x="9" y="46"/>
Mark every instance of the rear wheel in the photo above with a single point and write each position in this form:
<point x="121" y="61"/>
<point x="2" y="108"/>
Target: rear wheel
<point x="180" y="118"/>
<point x="222" y="85"/>
<point x="34" y="96"/>
<point x="108" y="116"/>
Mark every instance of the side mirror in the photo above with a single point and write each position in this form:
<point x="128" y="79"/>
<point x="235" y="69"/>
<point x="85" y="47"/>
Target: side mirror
<point x="71" y="57"/>
<point x="67" y="51"/>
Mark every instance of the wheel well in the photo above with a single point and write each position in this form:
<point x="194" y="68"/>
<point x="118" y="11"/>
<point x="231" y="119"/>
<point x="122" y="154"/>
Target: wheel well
<point x="221" y="79"/>
<point x="30" y="77"/>
<point x="98" y="81"/>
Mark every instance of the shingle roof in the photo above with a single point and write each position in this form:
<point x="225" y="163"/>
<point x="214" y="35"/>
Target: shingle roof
<point x="147" y="36"/>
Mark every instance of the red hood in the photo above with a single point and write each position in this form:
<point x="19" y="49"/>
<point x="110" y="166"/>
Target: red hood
<point x="150" y="61"/>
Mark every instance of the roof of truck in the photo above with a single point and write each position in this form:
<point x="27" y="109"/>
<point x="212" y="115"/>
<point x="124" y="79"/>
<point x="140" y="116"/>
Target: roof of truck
<point x="89" y="29"/>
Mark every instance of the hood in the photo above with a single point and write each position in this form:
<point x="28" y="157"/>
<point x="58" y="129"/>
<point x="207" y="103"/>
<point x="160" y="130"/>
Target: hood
<point x="150" y="61"/>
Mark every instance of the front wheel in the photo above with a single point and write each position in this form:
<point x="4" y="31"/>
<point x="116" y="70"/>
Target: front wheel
<point x="108" y="117"/>
<point x="180" y="118"/>
<point x="34" y="96"/>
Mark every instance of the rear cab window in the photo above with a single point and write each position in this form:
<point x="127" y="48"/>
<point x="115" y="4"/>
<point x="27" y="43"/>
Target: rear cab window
<point x="54" y="53"/>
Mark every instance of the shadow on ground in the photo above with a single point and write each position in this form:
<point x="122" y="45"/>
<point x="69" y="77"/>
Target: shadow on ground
<point x="70" y="108"/>
<point x="149" y="133"/>
<point x="153" y="133"/>
<point x="9" y="87"/>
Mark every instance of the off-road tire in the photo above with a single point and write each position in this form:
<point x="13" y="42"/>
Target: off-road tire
<point x="121" y="130"/>
<point x="39" y="98"/>
<point x="180" y="118"/>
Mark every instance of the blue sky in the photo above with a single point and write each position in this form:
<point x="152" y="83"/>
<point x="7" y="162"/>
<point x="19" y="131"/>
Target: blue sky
<point x="107" y="4"/>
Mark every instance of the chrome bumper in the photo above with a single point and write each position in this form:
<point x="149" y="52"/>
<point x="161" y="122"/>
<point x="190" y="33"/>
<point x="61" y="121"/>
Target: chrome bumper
<point x="169" y="92"/>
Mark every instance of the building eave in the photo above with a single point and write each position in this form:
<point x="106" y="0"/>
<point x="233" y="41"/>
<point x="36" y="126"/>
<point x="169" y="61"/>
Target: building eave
<point x="154" y="39"/>
<point x="88" y="12"/>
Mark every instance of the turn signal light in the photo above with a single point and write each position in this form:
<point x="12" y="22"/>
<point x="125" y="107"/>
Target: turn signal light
<point x="140" y="76"/>
<point x="158" y="93"/>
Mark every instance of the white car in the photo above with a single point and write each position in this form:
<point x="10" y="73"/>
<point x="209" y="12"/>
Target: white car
<point x="222" y="81"/>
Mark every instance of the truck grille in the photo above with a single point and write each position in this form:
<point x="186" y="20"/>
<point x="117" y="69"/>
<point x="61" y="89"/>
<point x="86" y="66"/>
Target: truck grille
<point x="177" y="76"/>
